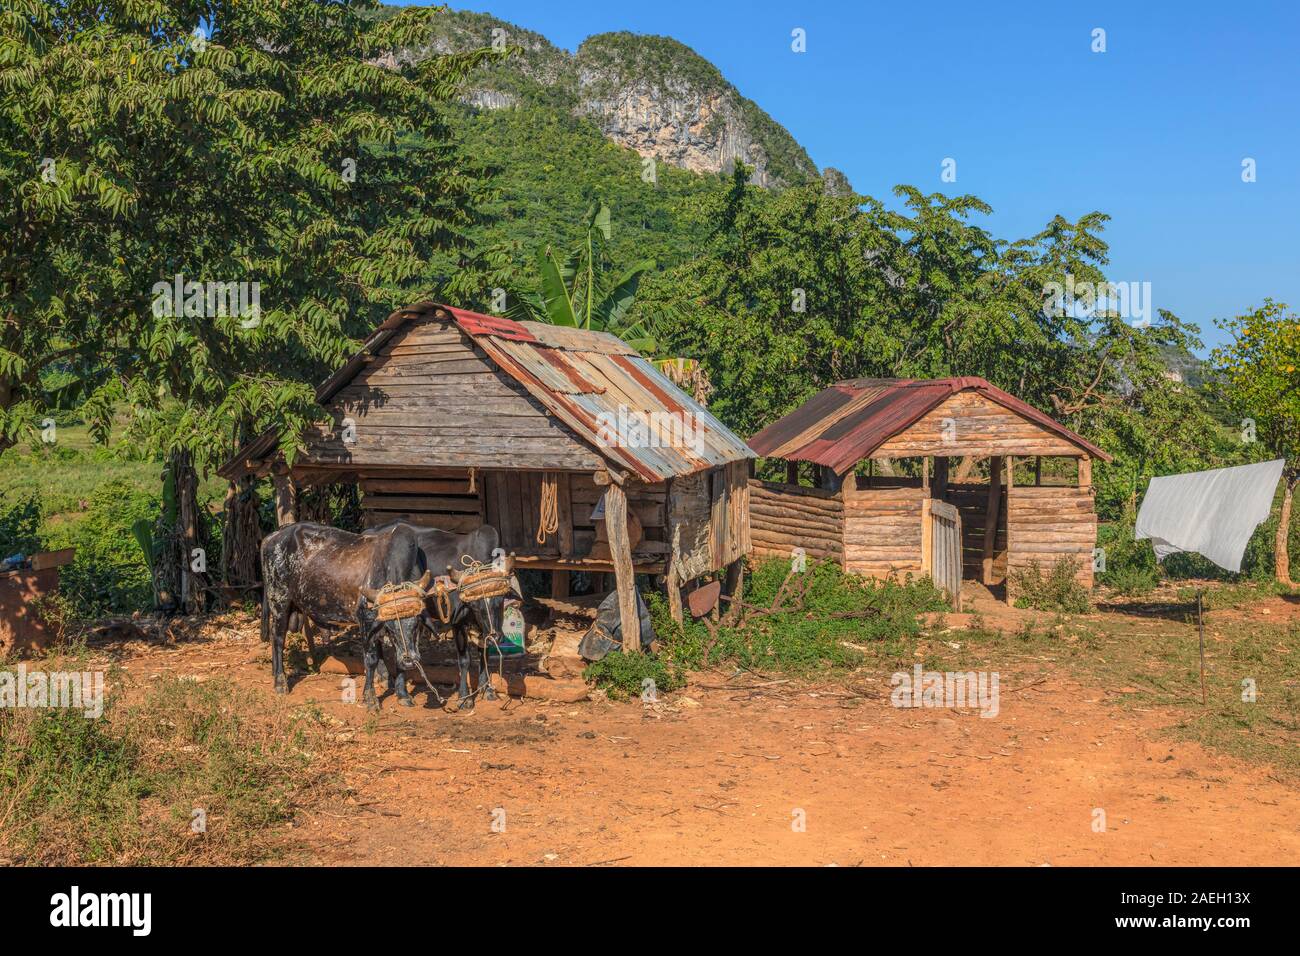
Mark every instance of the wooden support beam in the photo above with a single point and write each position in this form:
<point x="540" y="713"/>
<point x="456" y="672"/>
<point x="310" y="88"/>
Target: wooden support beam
<point x="620" y="550"/>
<point x="564" y="516"/>
<point x="285" y="497"/>
<point x="559" y="584"/>
<point x="991" y="517"/>
<point x="1085" y="472"/>
<point x="674" y="589"/>
<point x="925" y="474"/>
<point x="1038" y="471"/>
<point x="941" y="479"/>
<point x="792" y="473"/>
<point x="733" y="582"/>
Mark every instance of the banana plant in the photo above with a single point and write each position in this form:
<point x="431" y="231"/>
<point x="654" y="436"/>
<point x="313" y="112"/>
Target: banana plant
<point x="580" y="290"/>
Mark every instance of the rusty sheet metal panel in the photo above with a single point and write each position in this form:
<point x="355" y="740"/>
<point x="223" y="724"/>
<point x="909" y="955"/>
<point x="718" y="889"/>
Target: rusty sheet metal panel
<point x="689" y="534"/>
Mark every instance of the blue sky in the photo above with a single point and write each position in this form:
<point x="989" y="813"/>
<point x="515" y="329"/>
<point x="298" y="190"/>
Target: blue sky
<point x="1153" y="131"/>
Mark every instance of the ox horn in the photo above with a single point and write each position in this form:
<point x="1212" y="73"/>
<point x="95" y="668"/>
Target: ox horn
<point x="510" y="563"/>
<point x="423" y="583"/>
<point x="453" y="574"/>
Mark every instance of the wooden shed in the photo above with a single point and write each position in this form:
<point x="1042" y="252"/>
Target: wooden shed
<point x="862" y="507"/>
<point x="449" y="419"/>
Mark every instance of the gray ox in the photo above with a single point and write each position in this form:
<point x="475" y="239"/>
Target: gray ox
<point x="333" y="577"/>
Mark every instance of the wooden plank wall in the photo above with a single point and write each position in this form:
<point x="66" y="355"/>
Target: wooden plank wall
<point x="433" y="398"/>
<point x="972" y="501"/>
<point x="882" y="531"/>
<point x="647" y="502"/>
<point x="434" y="498"/>
<point x="510" y="502"/>
<point x="783" y="517"/>
<point x="729" y="513"/>
<point x="1044" y="524"/>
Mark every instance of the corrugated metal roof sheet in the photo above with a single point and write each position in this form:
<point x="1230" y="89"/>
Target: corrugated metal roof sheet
<point x="842" y="424"/>
<point x="593" y="382"/>
<point x="611" y="397"/>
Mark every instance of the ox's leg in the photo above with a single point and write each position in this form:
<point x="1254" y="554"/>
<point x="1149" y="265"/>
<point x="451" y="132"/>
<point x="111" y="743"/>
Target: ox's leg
<point x="279" y="618"/>
<point x="396" y="679"/>
<point x="462" y="665"/>
<point x="484" y="677"/>
<point x="370" y="656"/>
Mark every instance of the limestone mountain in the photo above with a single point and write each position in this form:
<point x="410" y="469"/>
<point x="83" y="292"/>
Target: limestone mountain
<point x="649" y="93"/>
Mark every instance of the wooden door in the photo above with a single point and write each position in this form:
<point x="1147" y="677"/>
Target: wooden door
<point x="945" y="553"/>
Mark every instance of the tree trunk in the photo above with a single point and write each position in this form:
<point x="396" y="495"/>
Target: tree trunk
<point x="1281" y="555"/>
<point x="241" y="535"/>
<point x="190" y="538"/>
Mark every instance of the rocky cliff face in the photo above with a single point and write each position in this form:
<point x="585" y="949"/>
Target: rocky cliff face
<point x="651" y="94"/>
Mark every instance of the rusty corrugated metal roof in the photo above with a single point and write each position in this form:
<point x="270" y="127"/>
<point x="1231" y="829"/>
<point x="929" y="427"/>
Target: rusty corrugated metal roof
<point x="842" y="424"/>
<point x="608" y="394"/>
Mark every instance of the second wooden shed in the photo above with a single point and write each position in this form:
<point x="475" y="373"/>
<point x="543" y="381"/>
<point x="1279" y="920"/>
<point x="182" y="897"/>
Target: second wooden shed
<point x="858" y="509"/>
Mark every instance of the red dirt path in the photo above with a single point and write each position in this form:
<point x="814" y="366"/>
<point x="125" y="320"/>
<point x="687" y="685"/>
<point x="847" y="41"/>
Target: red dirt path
<point x="713" y="776"/>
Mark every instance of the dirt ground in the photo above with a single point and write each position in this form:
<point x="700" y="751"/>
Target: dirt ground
<point x="725" y="772"/>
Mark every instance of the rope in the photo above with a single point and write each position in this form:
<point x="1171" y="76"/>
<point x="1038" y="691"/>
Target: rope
<point x="548" y="518"/>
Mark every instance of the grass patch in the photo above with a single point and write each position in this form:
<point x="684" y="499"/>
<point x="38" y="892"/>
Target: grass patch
<point x="123" y="789"/>
<point x="828" y="622"/>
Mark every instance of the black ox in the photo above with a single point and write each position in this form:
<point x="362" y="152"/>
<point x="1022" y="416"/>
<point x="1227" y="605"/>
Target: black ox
<point x="443" y="552"/>
<point x="332" y="577"/>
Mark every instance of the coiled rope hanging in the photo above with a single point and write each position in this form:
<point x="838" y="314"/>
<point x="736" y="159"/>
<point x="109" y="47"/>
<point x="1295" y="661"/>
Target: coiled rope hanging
<point x="548" y="518"/>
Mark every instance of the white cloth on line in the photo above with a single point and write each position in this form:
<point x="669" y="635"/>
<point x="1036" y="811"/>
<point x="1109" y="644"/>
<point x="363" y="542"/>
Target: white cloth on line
<point x="1213" y="513"/>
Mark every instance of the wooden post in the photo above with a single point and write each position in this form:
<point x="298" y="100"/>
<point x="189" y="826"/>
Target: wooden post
<point x="991" y="516"/>
<point x="1085" y="472"/>
<point x="1011" y="483"/>
<point x="285" y="496"/>
<point x="733" y="584"/>
<point x="1038" y="471"/>
<point x="564" y="520"/>
<point x="925" y="475"/>
<point x="620" y="550"/>
<point x="792" y="473"/>
<point x="674" y="588"/>
<point x="559" y="583"/>
<point x="941" y="479"/>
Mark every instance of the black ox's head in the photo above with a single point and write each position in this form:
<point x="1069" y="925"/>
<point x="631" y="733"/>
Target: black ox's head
<point x="489" y="612"/>
<point x="401" y="630"/>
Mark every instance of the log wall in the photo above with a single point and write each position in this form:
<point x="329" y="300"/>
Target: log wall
<point x="784" y="517"/>
<point x="1045" y="524"/>
<point x="882" y="531"/>
<point x="970" y="424"/>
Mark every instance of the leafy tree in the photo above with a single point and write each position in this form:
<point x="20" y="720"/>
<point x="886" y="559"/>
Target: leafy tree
<point x="272" y="146"/>
<point x="1260" y="371"/>
<point x="800" y="289"/>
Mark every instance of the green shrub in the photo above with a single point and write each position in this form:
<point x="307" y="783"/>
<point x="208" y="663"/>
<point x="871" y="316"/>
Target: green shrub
<point x="624" y="676"/>
<point x="1058" y="590"/>
<point x="20" y="522"/>
<point x="109" y="574"/>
